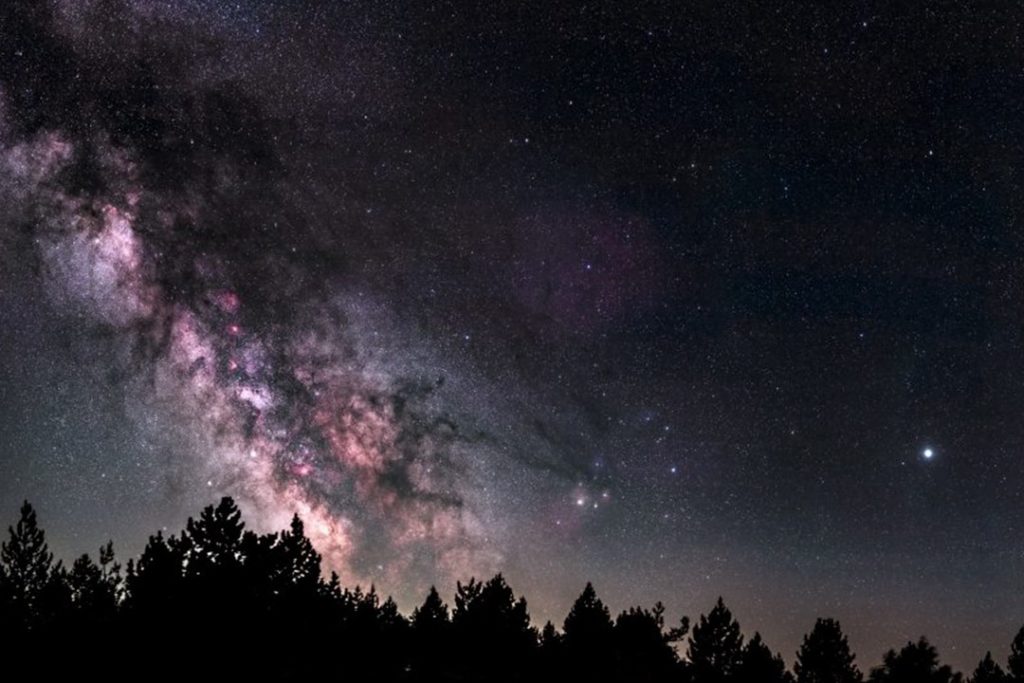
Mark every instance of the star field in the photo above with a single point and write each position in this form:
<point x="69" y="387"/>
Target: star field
<point x="714" y="300"/>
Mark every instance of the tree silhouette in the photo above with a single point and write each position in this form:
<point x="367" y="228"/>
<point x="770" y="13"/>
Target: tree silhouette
<point x="26" y="566"/>
<point x="759" y="665"/>
<point x="283" y="592"/>
<point x="226" y="599"/>
<point x="1015" y="662"/>
<point x="492" y="627"/>
<point x="86" y="600"/>
<point x="716" y="646"/>
<point x="431" y="632"/>
<point x="643" y="648"/>
<point x="374" y="633"/>
<point x="587" y="637"/>
<point x="281" y="570"/>
<point x="550" y="659"/>
<point x="226" y="607"/>
<point x="432" y="616"/>
<point x="914" y="663"/>
<point x="157" y="603"/>
<point x="825" y="656"/>
<point x="214" y="540"/>
<point x="301" y="562"/>
<point x="95" y="588"/>
<point x="155" y="583"/>
<point x="988" y="671"/>
<point x="549" y="636"/>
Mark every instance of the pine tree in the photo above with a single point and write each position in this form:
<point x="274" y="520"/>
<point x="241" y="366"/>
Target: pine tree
<point x="643" y="649"/>
<point x="914" y="663"/>
<point x="760" y="665"/>
<point x="90" y="597"/>
<point x="220" y="587"/>
<point x="716" y="646"/>
<point x="587" y="637"/>
<point x="284" y="567"/>
<point x="988" y="671"/>
<point x="157" y="602"/>
<point x="493" y="608"/>
<point x="431" y="630"/>
<point x="432" y="616"/>
<point x="93" y="589"/>
<point x="588" y="625"/>
<point x="302" y="560"/>
<point x="215" y="538"/>
<point x="153" y="584"/>
<point x="493" y="630"/>
<point x="111" y="570"/>
<point x="550" y="664"/>
<point x="825" y="656"/>
<point x="466" y="596"/>
<point x="550" y="638"/>
<point x="1015" y="663"/>
<point x="26" y="565"/>
<point x="390" y="618"/>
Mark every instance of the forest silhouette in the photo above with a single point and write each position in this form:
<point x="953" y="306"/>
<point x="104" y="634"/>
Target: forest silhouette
<point x="219" y="601"/>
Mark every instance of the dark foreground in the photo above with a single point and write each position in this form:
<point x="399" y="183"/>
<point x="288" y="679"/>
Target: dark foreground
<point x="218" y="601"/>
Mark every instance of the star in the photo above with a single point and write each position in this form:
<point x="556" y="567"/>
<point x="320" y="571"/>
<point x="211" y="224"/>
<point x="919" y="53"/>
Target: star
<point x="928" y="453"/>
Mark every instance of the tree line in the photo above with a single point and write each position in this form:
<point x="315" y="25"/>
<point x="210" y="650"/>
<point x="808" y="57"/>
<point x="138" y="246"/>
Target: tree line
<point x="220" y="601"/>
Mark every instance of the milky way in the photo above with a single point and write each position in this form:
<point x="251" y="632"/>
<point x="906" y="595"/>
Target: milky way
<point x="288" y="394"/>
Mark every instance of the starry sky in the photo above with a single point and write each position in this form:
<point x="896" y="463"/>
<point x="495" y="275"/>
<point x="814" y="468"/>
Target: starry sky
<point x="685" y="299"/>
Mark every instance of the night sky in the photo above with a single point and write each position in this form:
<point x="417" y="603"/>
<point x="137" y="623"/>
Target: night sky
<point x="689" y="300"/>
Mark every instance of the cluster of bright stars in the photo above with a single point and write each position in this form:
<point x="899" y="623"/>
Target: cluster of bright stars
<point x="583" y="501"/>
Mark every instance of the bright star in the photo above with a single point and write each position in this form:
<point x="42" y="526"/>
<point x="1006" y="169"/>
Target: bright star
<point x="927" y="453"/>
